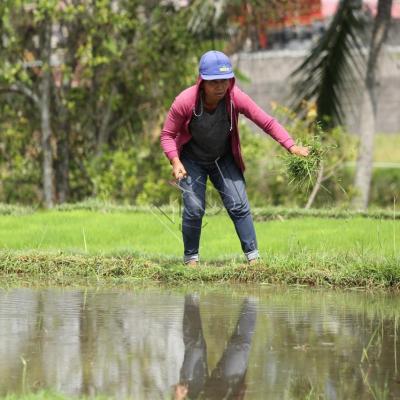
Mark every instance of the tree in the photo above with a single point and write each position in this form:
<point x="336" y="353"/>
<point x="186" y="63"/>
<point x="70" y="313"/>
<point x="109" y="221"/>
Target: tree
<point x="33" y="84"/>
<point x="362" y="181"/>
<point x="94" y="72"/>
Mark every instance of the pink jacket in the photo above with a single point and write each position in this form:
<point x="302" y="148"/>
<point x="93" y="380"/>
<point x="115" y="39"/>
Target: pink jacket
<point x="176" y="132"/>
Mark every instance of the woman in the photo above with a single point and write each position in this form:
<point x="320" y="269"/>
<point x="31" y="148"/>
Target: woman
<point x="200" y="137"/>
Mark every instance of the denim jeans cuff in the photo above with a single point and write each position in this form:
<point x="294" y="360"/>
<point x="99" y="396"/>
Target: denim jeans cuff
<point x="252" y="255"/>
<point x="191" y="257"/>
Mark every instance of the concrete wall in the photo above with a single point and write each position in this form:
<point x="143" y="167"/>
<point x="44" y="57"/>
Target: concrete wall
<point x="270" y="74"/>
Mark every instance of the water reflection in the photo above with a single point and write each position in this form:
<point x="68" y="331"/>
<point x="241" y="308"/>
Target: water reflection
<point x="139" y="344"/>
<point x="227" y="380"/>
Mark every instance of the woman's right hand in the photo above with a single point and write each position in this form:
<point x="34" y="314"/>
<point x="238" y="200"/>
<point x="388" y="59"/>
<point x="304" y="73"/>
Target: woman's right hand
<point x="178" y="170"/>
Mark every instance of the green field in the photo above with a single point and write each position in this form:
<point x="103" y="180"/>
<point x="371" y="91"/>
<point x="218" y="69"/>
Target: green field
<point x="123" y="247"/>
<point x="387" y="148"/>
<point x="155" y="235"/>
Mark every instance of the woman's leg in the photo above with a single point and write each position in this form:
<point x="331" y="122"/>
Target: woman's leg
<point x="194" y="369"/>
<point x="229" y="375"/>
<point x="193" y="194"/>
<point x="229" y="181"/>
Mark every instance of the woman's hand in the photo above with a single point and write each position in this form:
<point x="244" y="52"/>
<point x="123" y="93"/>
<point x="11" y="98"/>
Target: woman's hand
<point x="178" y="170"/>
<point x="299" y="151"/>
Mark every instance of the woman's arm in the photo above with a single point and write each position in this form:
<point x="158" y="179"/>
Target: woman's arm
<point x="268" y="124"/>
<point x="172" y="126"/>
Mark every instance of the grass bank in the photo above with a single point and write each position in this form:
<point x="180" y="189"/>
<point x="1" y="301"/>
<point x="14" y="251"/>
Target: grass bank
<point x="344" y="270"/>
<point x="123" y="246"/>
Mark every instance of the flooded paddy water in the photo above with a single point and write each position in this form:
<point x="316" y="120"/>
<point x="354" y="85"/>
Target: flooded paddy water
<point x="252" y="342"/>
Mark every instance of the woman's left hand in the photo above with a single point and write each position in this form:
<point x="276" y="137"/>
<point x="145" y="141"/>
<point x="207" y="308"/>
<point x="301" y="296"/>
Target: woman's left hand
<point x="299" y="151"/>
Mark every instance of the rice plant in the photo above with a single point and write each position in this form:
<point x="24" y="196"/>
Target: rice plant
<point x="303" y="171"/>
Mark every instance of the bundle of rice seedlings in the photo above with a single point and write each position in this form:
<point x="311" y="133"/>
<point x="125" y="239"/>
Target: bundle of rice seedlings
<point x="303" y="171"/>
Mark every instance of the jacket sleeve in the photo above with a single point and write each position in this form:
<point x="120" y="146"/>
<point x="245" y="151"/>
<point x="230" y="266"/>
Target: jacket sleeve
<point x="267" y="123"/>
<point x="171" y="129"/>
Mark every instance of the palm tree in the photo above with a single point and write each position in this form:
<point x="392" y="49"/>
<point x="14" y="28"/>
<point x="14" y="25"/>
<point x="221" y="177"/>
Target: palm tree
<point x="330" y="73"/>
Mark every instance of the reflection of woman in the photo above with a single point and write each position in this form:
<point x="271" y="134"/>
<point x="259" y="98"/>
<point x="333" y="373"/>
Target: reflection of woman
<point x="227" y="380"/>
<point x="200" y="137"/>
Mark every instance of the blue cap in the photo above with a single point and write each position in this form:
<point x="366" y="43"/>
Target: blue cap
<point x="215" y="65"/>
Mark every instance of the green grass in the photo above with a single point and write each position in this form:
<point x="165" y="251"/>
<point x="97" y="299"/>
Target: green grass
<point x="342" y="270"/>
<point x="154" y="235"/>
<point x="123" y="247"/>
<point x="387" y="148"/>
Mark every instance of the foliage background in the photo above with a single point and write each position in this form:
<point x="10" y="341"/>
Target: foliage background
<point x="115" y="68"/>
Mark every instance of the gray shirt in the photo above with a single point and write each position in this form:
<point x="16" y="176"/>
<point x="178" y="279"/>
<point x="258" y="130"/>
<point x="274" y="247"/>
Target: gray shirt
<point x="210" y="135"/>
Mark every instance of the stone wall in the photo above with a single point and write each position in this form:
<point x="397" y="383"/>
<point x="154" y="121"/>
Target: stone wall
<point x="270" y="73"/>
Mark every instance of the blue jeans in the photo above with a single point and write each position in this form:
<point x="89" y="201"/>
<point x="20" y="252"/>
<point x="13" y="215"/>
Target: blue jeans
<point x="229" y="181"/>
<point x="227" y="380"/>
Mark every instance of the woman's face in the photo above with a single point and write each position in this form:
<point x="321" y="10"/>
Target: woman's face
<point x="215" y="89"/>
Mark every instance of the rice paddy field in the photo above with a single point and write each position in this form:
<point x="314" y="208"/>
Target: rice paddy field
<point x="123" y="245"/>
